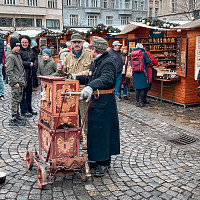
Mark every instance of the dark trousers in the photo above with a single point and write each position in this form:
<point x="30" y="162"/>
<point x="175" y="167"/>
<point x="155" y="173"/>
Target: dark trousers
<point x="105" y="162"/>
<point x="140" y="93"/>
<point x="27" y="97"/>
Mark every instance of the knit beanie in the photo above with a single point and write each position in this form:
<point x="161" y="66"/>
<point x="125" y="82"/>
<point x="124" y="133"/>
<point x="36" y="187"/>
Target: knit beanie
<point x="14" y="42"/>
<point x="34" y="43"/>
<point x="47" y="51"/>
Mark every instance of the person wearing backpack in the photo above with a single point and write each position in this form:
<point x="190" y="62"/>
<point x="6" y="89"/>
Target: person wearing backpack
<point x="150" y="71"/>
<point x="139" y="61"/>
<point x="116" y="55"/>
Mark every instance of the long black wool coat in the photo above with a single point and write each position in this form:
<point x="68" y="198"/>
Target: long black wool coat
<point x="103" y="124"/>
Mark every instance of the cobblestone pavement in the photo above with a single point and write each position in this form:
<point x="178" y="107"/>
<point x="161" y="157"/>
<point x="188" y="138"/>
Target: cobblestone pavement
<point x="149" y="166"/>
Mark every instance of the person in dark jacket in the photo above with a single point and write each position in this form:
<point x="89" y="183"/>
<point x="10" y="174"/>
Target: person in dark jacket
<point x="125" y="81"/>
<point x="115" y="54"/>
<point x="30" y="63"/>
<point x="37" y="52"/>
<point x="103" y="124"/>
<point x="16" y="79"/>
<point x="141" y="79"/>
<point x="2" y="90"/>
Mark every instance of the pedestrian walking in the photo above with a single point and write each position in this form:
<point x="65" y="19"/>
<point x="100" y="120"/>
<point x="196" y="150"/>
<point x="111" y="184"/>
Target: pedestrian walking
<point x="115" y="54"/>
<point x="48" y="66"/>
<point x="140" y="78"/>
<point x="2" y="90"/>
<point x="63" y="51"/>
<point x="16" y="79"/>
<point x="30" y="63"/>
<point x="103" y="124"/>
<point x="78" y="62"/>
<point x="125" y="81"/>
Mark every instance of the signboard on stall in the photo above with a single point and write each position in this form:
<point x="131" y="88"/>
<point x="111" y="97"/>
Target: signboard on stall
<point x="197" y="57"/>
<point x="156" y="33"/>
<point x="131" y="45"/>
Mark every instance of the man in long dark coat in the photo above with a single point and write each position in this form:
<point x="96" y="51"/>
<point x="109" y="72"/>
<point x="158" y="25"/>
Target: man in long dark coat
<point x="103" y="124"/>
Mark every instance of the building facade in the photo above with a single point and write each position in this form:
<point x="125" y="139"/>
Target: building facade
<point x="178" y="9"/>
<point x="30" y="14"/>
<point x="153" y="9"/>
<point x="89" y="13"/>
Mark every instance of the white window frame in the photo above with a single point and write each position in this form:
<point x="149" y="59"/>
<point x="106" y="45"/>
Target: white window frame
<point x="127" y="4"/>
<point x="105" y="3"/>
<point x="174" y="4"/>
<point x="136" y="5"/>
<point x="109" y="20"/>
<point x="92" y="20"/>
<point x="192" y="4"/>
<point x="9" y="2"/>
<point x="68" y="2"/>
<point x="124" y="20"/>
<point x="94" y="3"/>
<point x="112" y="4"/>
<point x="120" y="4"/>
<point x="142" y="5"/>
<point x="73" y="20"/>
<point x="52" y="4"/>
<point x="32" y="3"/>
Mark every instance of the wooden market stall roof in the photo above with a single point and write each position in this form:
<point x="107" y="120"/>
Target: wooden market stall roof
<point x="134" y="25"/>
<point x="190" y="25"/>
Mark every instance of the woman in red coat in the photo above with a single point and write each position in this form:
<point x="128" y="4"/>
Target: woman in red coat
<point x="125" y="81"/>
<point x="150" y="71"/>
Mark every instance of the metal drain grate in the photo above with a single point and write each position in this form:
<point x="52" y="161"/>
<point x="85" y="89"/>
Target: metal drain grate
<point x="183" y="140"/>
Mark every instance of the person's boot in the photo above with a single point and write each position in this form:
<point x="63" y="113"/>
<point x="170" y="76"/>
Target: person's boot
<point x="16" y="122"/>
<point x="101" y="170"/>
<point x="138" y="104"/>
<point x="125" y="98"/>
<point x="143" y="104"/>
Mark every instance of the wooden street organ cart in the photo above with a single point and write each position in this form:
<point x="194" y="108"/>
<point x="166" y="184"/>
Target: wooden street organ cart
<point x="59" y="136"/>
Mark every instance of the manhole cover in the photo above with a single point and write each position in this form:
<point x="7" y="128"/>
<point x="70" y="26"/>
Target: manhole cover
<point x="183" y="140"/>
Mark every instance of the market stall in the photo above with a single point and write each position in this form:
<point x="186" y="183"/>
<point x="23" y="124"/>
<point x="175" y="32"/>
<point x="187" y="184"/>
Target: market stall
<point x="175" y="50"/>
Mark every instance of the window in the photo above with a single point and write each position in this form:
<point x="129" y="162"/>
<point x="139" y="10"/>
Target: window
<point x="86" y="3"/>
<point x="105" y="4"/>
<point x="74" y="20"/>
<point x="156" y="12"/>
<point x="92" y="20"/>
<point x="120" y="4"/>
<point x="109" y="20"/>
<point x="32" y="3"/>
<point x="124" y="20"/>
<point x="112" y="4"/>
<point x="127" y="4"/>
<point x="6" y="22"/>
<point x="9" y="2"/>
<point x="150" y="12"/>
<point x="94" y="3"/>
<point x="192" y="4"/>
<point x="53" y="23"/>
<point x="68" y="2"/>
<point x="78" y="3"/>
<point x="24" y="22"/>
<point x="52" y="3"/>
<point x="142" y="5"/>
<point x="136" y="5"/>
<point x="174" y="3"/>
<point x="38" y="22"/>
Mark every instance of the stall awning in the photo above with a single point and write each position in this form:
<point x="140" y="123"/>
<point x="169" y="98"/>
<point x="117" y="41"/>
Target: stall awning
<point x="133" y="25"/>
<point x="30" y="33"/>
<point x="190" y="25"/>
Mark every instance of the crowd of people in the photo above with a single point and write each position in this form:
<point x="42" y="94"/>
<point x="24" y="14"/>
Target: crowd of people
<point x="96" y="68"/>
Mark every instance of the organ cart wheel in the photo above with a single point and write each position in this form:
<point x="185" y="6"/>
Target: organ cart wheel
<point x="29" y="159"/>
<point x="41" y="176"/>
<point x="85" y="174"/>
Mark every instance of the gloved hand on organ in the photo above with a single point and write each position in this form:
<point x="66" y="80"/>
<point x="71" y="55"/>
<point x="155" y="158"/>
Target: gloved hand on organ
<point x="86" y="93"/>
